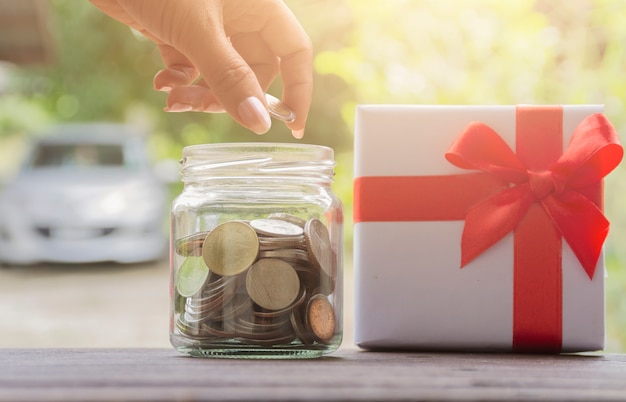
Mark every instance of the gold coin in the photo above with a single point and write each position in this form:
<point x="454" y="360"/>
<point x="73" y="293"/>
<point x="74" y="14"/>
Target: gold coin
<point x="191" y="245"/>
<point x="273" y="284"/>
<point x="278" y="109"/>
<point x="321" y="318"/>
<point x="318" y="242"/>
<point x="230" y="248"/>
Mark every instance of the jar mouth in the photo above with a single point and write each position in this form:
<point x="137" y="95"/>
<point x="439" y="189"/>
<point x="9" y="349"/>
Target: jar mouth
<point x="265" y="159"/>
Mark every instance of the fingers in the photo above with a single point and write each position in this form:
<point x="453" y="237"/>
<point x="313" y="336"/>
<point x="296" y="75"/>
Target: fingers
<point x="284" y="38"/>
<point x="195" y="29"/>
<point x="297" y="92"/>
<point x="257" y="54"/>
<point x="233" y="83"/>
<point x="200" y="98"/>
<point x="196" y="98"/>
<point x="236" y="87"/>
<point x="179" y="70"/>
<point x="230" y="79"/>
<point x="238" y="47"/>
<point x="288" y="40"/>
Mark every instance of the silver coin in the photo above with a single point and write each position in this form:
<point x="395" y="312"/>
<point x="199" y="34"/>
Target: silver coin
<point x="292" y="256"/>
<point x="276" y="227"/>
<point x="318" y="242"/>
<point x="288" y="217"/>
<point x="276" y="243"/>
<point x="278" y="109"/>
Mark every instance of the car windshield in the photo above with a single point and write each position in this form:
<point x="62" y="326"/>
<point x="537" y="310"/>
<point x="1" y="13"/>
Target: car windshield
<point x="81" y="155"/>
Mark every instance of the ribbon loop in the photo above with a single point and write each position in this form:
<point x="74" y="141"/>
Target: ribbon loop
<point x="593" y="152"/>
<point x="481" y="148"/>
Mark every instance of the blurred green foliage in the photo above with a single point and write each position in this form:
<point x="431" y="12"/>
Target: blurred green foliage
<point x="366" y="51"/>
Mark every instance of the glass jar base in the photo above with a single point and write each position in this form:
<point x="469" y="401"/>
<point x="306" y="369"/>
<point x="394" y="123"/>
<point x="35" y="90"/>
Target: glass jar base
<point x="231" y="349"/>
<point x="261" y="353"/>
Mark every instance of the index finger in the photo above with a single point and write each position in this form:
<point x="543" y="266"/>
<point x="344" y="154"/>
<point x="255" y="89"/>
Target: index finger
<point x="292" y="45"/>
<point x="286" y="38"/>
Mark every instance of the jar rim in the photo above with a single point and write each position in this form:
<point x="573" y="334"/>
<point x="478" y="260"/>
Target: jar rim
<point x="312" y="150"/>
<point x="257" y="159"/>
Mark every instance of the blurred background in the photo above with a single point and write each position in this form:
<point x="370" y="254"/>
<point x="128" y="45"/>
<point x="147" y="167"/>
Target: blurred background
<point x="63" y="62"/>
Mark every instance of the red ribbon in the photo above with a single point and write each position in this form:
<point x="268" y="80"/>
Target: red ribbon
<point x="540" y="193"/>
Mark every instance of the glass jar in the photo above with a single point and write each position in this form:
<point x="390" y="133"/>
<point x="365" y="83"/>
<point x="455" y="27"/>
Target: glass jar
<point x="256" y="252"/>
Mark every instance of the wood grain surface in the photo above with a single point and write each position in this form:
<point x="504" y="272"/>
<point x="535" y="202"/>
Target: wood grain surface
<point x="347" y="375"/>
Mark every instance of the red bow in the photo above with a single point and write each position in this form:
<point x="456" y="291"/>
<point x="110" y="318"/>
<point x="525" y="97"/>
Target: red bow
<point x="593" y="151"/>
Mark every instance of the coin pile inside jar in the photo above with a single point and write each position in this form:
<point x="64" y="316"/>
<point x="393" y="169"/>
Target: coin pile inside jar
<point x="264" y="282"/>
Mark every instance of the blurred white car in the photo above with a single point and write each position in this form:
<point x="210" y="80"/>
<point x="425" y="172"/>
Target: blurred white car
<point x="85" y="193"/>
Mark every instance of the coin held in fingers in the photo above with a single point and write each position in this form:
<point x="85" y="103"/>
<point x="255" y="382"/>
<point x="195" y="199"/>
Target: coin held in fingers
<point x="278" y="109"/>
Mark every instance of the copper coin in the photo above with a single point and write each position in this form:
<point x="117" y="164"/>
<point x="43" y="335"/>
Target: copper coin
<point x="272" y="283"/>
<point x="216" y="329"/>
<point x="230" y="248"/>
<point x="321" y="318"/>
<point x="240" y="305"/>
<point x="277" y="313"/>
<point x="299" y="327"/>
<point x="188" y="329"/>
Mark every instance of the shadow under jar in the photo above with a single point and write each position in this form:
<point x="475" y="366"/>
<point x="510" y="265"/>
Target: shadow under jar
<point x="256" y="252"/>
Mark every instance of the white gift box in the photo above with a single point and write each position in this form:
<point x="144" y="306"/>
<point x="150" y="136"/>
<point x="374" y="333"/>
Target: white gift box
<point x="411" y="292"/>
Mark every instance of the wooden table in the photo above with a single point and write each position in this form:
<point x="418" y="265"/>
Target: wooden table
<point x="349" y="374"/>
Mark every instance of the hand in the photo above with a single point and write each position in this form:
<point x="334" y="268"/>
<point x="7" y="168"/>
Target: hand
<point x="221" y="55"/>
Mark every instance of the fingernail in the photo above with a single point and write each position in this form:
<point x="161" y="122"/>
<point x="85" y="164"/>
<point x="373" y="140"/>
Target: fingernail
<point x="254" y="115"/>
<point x="165" y="89"/>
<point x="214" y="108"/>
<point x="179" y="107"/>
<point x="297" y="133"/>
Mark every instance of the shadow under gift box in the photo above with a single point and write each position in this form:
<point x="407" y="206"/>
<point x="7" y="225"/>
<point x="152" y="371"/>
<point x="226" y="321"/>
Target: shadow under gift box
<point x="427" y="279"/>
